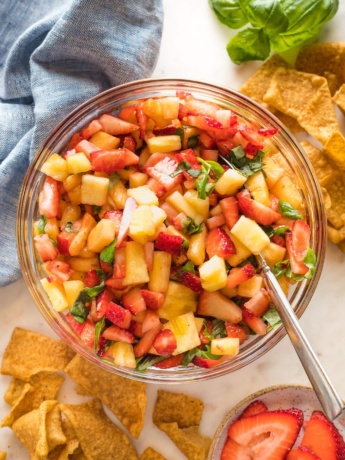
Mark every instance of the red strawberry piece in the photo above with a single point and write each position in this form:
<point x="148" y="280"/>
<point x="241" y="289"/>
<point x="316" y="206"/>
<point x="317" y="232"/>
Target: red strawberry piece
<point x="153" y="300"/>
<point x="208" y="142"/>
<point x="116" y="284"/>
<point x="142" y="119"/>
<point x="215" y="221"/>
<point x="230" y="210"/>
<point x="239" y="275"/>
<point x="129" y="143"/>
<point x="233" y="451"/>
<point x="60" y="269"/>
<point x="108" y="160"/>
<point x="131" y="158"/>
<point x="128" y="210"/>
<point x="166" y="131"/>
<point x="119" y="271"/>
<point x="300" y="239"/>
<point x="161" y="172"/>
<point x="251" y="150"/>
<point x="219" y="243"/>
<point x="118" y="334"/>
<point x="268" y="132"/>
<point x="92" y="128"/>
<point x="173" y="244"/>
<point x="206" y="328"/>
<point x="172" y="361"/>
<point x="92" y="279"/>
<point x="257" y="211"/>
<point x="116" y="216"/>
<point x="156" y="187"/>
<point x="118" y="315"/>
<point x="254" y="408"/>
<point x="190" y="280"/>
<point x="207" y="363"/>
<point x="107" y="268"/>
<point x="165" y="342"/>
<point x="146" y="341"/>
<point x="271" y="434"/>
<point x="75" y="325"/>
<point x="259" y="303"/>
<point x="49" y="199"/>
<point x="86" y="147"/>
<point x="102" y="346"/>
<point x="322" y="437"/>
<point x="235" y="331"/>
<point x="102" y="302"/>
<point x="45" y="248"/>
<point x="255" y="323"/>
<point x="279" y="240"/>
<point x="63" y="240"/>
<point x="148" y="251"/>
<point x="127" y="113"/>
<point x="136" y="328"/>
<point x="302" y="453"/>
<point x="75" y="139"/>
<point x="189" y="156"/>
<point x="203" y="122"/>
<point x="179" y="220"/>
<point x="113" y="125"/>
<point x="250" y="134"/>
<point x="296" y="266"/>
<point x="134" y="301"/>
<point x="151" y="321"/>
<point x="88" y="333"/>
<point x="182" y="94"/>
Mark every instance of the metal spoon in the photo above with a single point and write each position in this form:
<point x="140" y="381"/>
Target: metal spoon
<point x="330" y="400"/>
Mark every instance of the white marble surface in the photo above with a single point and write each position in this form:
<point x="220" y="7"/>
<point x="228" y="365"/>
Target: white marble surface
<point x="193" y="46"/>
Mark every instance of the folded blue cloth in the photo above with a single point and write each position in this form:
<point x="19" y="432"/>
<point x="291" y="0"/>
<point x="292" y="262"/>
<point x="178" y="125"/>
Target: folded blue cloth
<point x="54" y="55"/>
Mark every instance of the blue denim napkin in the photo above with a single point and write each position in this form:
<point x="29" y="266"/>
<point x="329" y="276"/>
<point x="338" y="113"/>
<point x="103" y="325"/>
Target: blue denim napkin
<point x="54" y="55"/>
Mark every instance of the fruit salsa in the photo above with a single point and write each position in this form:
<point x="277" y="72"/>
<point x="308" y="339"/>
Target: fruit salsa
<point x="149" y="242"/>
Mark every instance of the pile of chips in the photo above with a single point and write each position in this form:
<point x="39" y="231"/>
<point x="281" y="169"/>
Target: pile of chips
<point x="53" y="430"/>
<point x="310" y="99"/>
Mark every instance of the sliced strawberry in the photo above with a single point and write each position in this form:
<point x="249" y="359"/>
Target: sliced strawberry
<point x="60" y="269"/>
<point x="75" y="139"/>
<point x="88" y="333"/>
<point x="102" y="302"/>
<point x="102" y="350"/>
<point x="257" y="211"/>
<point x="255" y="323"/>
<point x="170" y="211"/>
<point x="165" y="131"/>
<point x="108" y="160"/>
<point x="116" y="216"/>
<point x="128" y="210"/>
<point x="302" y="453"/>
<point x="203" y="122"/>
<point x="235" y="331"/>
<point x="136" y="328"/>
<point x="45" y="248"/>
<point x="189" y="156"/>
<point x="119" y="263"/>
<point x="118" y="315"/>
<point x="127" y="113"/>
<point x="146" y="341"/>
<point x="131" y="158"/>
<point x="148" y="251"/>
<point x="49" y="198"/>
<point x="172" y="361"/>
<point x="254" y="408"/>
<point x="218" y="306"/>
<point x="151" y="321"/>
<point x="239" y="275"/>
<point x="233" y="451"/>
<point x="165" y="342"/>
<point x="279" y="240"/>
<point x="273" y="432"/>
<point x="130" y="144"/>
<point x="92" y="128"/>
<point x="63" y="240"/>
<point x="250" y="134"/>
<point x="92" y="279"/>
<point x="113" y="125"/>
<point x="207" y="363"/>
<point x="251" y="150"/>
<point x="118" y="334"/>
<point x="297" y="267"/>
<point x="153" y="300"/>
<point x="190" y="280"/>
<point x="219" y="243"/>
<point x="259" y="303"/>
<point x="134" y="301"/>
<point x="173" y="244"/>
<point x="142" y="120"/>
<point x="300" y="239"/>
<point x="230" y="210"/>
<point x="161" y="172"/>
<point x="209" y="154"/>
<point x="215" y="221"/>
<point x="179" y="220"/>
<point x="156" y="187"/>
<point x="207" y="141"/>
<point x="114" y="283"/>
<point x="197" y="107"/>
<point x="267" y="132"/>
<point x="75" y="325"/>
<point x="86" y="147"/>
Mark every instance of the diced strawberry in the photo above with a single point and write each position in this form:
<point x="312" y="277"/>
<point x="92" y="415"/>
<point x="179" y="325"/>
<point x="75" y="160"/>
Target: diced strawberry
<point x="255" y="323"/>
<point x="250" y="134"/>
<point x="49" y="198"/>
<point x="75" y="325"/>
<point x="254" y="408"/>
<point x="139" y="317"/>
<point x="115" y="283"/>
<point x="148" y="251"/>
<point x="268" y="132"/>
<point x="181" y="94"/>
<point x="153" y="300"/>
<point x="259" y="303"/>
<point x="136" y="328"/>
<point x="113" y="125"/>
<point x="296" y="266"/>
<point x="197" y="107"/>
<point x="219" y="243"/>
<point x="142" y="120"/>
<point x="172" y="361"/>
<point x="213" y="199"/>
<point x="230" y="210"/>
<point x="170" y="211"/>
<point x="189" y="156"/>
<point x="128" y="210"/>
<point x="190" y="280"/>
<point x="279" y="240"/>
<point x="300" y="239"/>
<point x="108" y="160"/>
<point x="129" y="143"/>
<point x="119" y="264"/>
<point x="118" y="334"/>
<point x="215" y="221"/>
<point x="151" y="321"/>
<point x="209" y="154"/>
<point x="239" y="275"/>
<point x="102" y="302"/>
<point x="284" y="221"/>
<point x="133" y="301"/>
<point x="157" y="157"/>
<point x="257" y="211"/>
<point x="161" y="172"/>
<point x="251" y="150"/>
<point x="146" y="341"/>
<point x="156" y="187"/>
<point x="207" y="363"/>
<point x="92" y="128"/>
<point x="88" y="333"/>
<point x="165" y="131"/>
<point x="63" y="240"/>
<point x="202" y="333"/>
<point x="127" y="113"/>
<point x="92" y="278"/>
<point x="86" y="147"/>
<point x="60" y="269"/>
<point x="238" y="139"/>
<point x="302" y="453"/>
<point x="173" y="244"/>
<point x="165" y="342"/>
<point x="102" y="346"/>
<point x="208" y="142"/>
<point x="45" y="248"/>
<point x="235" y="331"/>
<point x="118" y="315"/>
<point x="182" y="111"/>
<point x="131" y="158"/>
<point x="224" y="146"/>
<point x="274" y="431"/>
<point x="203" y="122"/>
<point x="75" y="139"/>
<point x="179" y="220"/>
<point x="116" y="216"/>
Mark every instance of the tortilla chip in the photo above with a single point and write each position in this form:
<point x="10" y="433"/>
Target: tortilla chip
<point x="289" y="122"/>
<point x="326" y="60"/>
<point x="82" y="391"/>
<point x="151" y="454"/>
<point x="341" y="246"/>
<point x="339" y="98"/>
<point x="257" y="85"/>
<point x="28" y="353"/>
<point x="326" y="198"/>
<point x="334" y="235"/>
<point x="306" y="98"/>
<point x="323" y="170"/>
<point x="170" y="407"/>
<point x="336" y="213"/>
<point x="14" y="391"/>
<point x="124" y="397"/>
<point x="71" y="446"/>
<point x="335" y="149"/>
<point x="55" y="433"/>
<point x="99" y="437"/>
<point x="43" y="386"/>
<point x="2" y="455"/>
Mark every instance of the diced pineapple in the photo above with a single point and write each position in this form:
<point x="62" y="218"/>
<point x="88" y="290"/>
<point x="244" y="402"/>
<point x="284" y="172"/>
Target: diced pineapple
<point x="257" y="186"/>
<point x="272" y="172"/>
<point x="242" y="252"/>
<point x="136" y="268"/>
<point x="74" y="195"/>
<point x="142" y="226"/>
<point x="163" y="144"/>
<point x="143" y="195"/>
<point x="229" y="292"/>
<point x="230" y="182"/>
<point x="55" y="167"/>
<point x="197" y="246"/>
<point x="229" y="346"/>
<point x="52" y="228"/>
<point x="78" y="163"/>
<point x="144" y="156"/>
<point x="285" y="282"/>
<point x="85" y="253"/>
<point x="78" y="276"/>
<point x="101" y="235"/>
<point x="105" y="141"/>
<point x="72" y="181"/>
<point x="153" y="108"/>
<point x="171" y="230"/>
<point x="118" y="193"/>
<point x="80" y="239"/>
<point x="81" y="264"/>
<point x="179" y="299"/>
<point x="71" y="213"/>
<point x="170" y="107"/>
<point x="273" y="254"/>
<point x="137" y="179"/>
<point x="159" y="215"/>
<point x="201" y="206"/>
<point x="213" y="274"/>
<point x="177" y="200"/>
<point x="94" y="190"/>
<point x="125" y="174"/>
<point x="72" y="289"/>
<point x="286" y="190"/>
<point x="250" y="234"/>
<point x="160" y="273"/>
<point x="250" y="287"/>
<point x="216" y="211"/>
<point x="185" y="332"/>
<point x="189" y="131"/>
<point x="123" y="354"/>
<point x="56" y="294"/>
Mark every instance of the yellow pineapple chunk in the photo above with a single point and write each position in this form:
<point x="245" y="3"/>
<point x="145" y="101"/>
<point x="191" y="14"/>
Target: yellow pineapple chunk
<point x="101" y="235"/>
<point x="72" y="181"/>
<point x="144" y="156"/>
<point x="52" y="228"/>
<point x="85" y="253"/>
<point x="104" y="140"/>
<point x="273" y="172"/>
<point x="160" y="273"/>
<point x="74" y="195"/>
<point x="55" y="167"/>
<point x="179" y="202"/>
<point x="136" y="268"/>
<point x="137" y="179"/>
<point x="179" y="299"/>
<point x="229" y="292"/>
<point x="94" y="190"/>
<point x="164" y="144"/>
<point x="71" y="213"/>
<point x="170" y="107"/>
<point x="185" y="332"/>
<point x="142" y="226"/>
<point x="143" y="195"/>
<point x="229" y="346"/>
<point x="189" y="131"/>
<point x="273" y="254"/>
<point x="257" y="186"/>
<point x="78" y="163"/>
<point x="250" y="287"/>
<point x="242" y="252"/>
<point x="72" y="289"/>
<point x="196" y="247"/>
<point x="80" y="239"/>
<point x="286" y="190"/>
<point x="213" y="274"/>
<point x="123" y="354"/>
<point x="56" y="294"/>
<point x="82" y="264"/>
<point x="159" y="215"/>
<point x="250" y="234"/>
<point x="230" y="182"/>
<point x="201" y="206"/>
<point x="118" y="193"/>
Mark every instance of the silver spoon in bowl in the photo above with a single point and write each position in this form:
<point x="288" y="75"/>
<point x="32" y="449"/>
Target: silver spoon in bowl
<point x="330" y="400"/>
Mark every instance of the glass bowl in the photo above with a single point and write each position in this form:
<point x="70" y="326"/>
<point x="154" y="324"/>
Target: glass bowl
<point x="109" y="101"/>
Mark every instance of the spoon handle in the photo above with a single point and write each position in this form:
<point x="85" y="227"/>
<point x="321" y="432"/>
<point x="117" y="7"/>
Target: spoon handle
<point x="329" y="399"/>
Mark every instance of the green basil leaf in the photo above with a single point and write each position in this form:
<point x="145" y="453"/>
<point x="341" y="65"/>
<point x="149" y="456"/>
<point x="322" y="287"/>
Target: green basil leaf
<point x="179" y="132"/>
<point x="147" y="361"/>
<point x="187" y="267"/>
<point x="281" y="268"/>
<point x="96" y="209"/>
<point x="193" y="141"/>
<point x="41" y="225"/>
<point x="249" y="45"/>
<point x="230" y="12"/>
<point x="113" y="179"/>
<point x="68" y="228"/>
<point x="268" y="230"/>
<point x="281" y="230"/>
<point x="107" y="255"/>
<point x="271" y="316"/>
<point x="215" y="167"/>
<point x="53" y="241"/>
<point x="268" y="15"/>
<point x="310" y="262"/>
<point x="100" y="325"/>
<point x="218" y="329"/>
<point x="243" y="164"/>
<point x="288" y="211"/>
<point x="189" y="227"/>
<point x="79" y="311"/>
<point x="201" y="183"/>
<point x="190" y="355"/>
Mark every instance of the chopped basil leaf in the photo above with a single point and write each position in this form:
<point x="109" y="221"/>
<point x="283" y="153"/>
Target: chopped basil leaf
<point x="146" y="361"/>
<point x="218" y="329"/>
<point x="96" y="209"/>
<point x="268" y="230"/>
<point x="272" y="317"/>
<point x="53" y="241"/>
<point x="310" y="262"/>
<point x="213" y="166"/>
<point x="204" y="353"/>
<point x="113" y="179"/>
<point x="284" y="267"/>
<point x="101" y="275"/>
<point x="187" y="267"/>
<point x="288" y="211"/>
<point x="189" y="357"/>
<point x="179" y="132"/>
<point x="68" y="228"/>
<point x="79" y="311"/>
<point x="203" y="187"/>
<point x="243" y="164"/>
<point x="100" y="325"/>
<point x="280" y="268"/>
<point x="41" y="225"/>
<point x="281" y="230"/>
<point x="189" y="227"/>
<point x="193" y="141"/>
<point x="185" y="166"/>
<point x="107" y="255"/>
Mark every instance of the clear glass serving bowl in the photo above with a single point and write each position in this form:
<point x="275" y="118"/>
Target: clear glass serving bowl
<point x="109" y="101"/>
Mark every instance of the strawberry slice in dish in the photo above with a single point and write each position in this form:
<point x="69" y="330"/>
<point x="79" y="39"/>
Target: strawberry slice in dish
<point x="173" y="244"/>
<point x="302" y="453"/>
<point x="165" y="342"/>
<point x="219" y="243"/>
